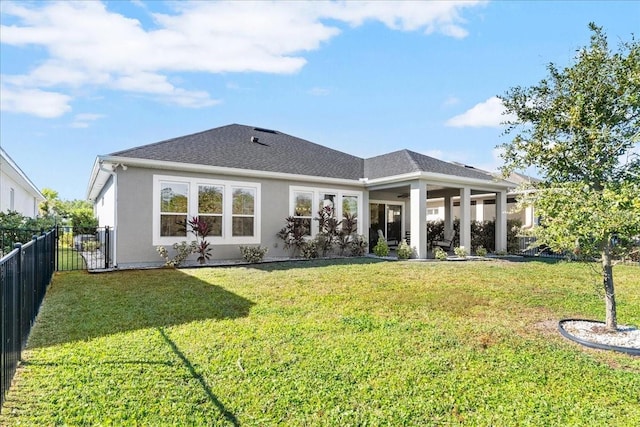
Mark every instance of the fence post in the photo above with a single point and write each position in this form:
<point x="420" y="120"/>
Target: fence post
<point x="107" y="247"/>
<point x="20" y="301"/>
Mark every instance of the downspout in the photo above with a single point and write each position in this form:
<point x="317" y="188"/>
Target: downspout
<point x="112" y="172"/>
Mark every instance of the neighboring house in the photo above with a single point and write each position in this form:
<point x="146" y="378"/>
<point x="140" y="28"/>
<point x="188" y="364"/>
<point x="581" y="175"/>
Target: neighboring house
<point x="17" y="192"/>
<point x="483" y="205"/>
<point x="246" y="180"/>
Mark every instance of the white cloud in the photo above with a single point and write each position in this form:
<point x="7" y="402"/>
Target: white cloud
<point x="36" y="102"/>
<point x="88" y="45"/>
<point x="485" y="114"/>
<point x="84" y="120"/>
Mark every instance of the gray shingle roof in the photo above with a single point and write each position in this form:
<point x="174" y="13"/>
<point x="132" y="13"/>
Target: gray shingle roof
<point x="235" y="146"/>
<point x="406" y="161"/>
<point x="231" y="146"/>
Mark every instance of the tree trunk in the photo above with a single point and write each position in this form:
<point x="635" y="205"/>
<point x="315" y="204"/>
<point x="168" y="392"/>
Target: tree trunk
<point x="609" y="294"/>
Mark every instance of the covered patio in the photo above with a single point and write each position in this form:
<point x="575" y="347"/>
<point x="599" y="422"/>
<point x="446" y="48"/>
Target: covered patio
<point x="398" y="203"/>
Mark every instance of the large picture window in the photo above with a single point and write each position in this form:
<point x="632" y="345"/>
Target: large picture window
<point x="341" y="202"/>
<point x="230" y="208"/>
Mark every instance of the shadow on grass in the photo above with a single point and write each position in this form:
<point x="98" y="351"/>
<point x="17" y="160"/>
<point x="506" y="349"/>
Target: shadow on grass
<point x="312" y="263"/>
<point x="197" y="376"/>
<point x="81" y="306"/>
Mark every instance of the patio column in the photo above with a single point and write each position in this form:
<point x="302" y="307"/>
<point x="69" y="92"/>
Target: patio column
<point x="501" y="221"/>
<point x="419" y="218"/>
<point x="448" y="213"/>
<point x="480" y="210"/>
<point x="465" y="218"/>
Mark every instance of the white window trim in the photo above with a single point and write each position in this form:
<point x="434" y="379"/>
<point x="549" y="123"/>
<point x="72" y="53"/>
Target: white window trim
<point x="227" y="238"/>
<point x="315" y="203"/>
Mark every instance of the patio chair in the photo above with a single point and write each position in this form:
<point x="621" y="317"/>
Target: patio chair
<point x="447" y="242"/>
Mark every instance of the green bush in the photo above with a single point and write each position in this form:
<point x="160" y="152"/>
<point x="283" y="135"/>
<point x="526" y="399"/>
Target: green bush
<point x="90" y="246"/>
<point x="481" y="251"/>
<point x="439" y="253"/>
<point x="358" y="245"/>
<point x="381" y="249"/>
<point x="460" y="251"/>
<point x="404" y="250"/>
<point x="253" y="254"/>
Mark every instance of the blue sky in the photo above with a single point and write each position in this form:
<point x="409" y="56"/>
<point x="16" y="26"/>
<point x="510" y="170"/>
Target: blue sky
<point x="79" y="79"/>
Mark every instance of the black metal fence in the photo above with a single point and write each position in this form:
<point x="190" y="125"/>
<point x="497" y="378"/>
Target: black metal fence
<point x="25" y="273"/>
<point x="527" y="247"/>
<point x="84" y="249"/>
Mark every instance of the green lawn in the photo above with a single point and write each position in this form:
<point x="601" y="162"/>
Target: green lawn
<point x="345" y="343"/>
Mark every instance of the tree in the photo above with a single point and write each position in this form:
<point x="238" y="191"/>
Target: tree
<point x="580" y="129"/>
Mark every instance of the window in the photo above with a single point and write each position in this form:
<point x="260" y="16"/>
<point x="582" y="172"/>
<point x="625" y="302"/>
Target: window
<point x="174" y="204"/>
<point x="230" y="208"/>
<point x="302" y="212"/>
<point x="341" y="202"/>
<point x="210" y="207"/>
<point x="433" y="211"/>
<point x="243" y="211"/>
<point x="350" y="205"/>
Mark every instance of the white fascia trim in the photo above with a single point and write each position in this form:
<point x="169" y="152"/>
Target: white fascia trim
<point x="20" y="174"/>
<point x="440" y="178"/>
<point x="190" y="167"/>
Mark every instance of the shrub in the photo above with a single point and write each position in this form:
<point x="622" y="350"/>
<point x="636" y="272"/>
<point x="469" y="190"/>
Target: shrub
<point x="293" y="234"/>
<point x="358" y="245"/>
<point x="404" y="250"/>
<point x="381" y="249"/>
<point x="439" y="253"/>
<point x="253" y="254"/>
<point x="90" y="246"/>
<point x="183" y="250"/>
<point x="309" y="249"/>
<point x="200" y="228"/>
<point x="460" y="251"/>
<point x="481" y="251"/>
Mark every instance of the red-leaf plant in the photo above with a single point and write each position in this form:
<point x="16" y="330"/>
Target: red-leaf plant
<point x="201" y="229"/>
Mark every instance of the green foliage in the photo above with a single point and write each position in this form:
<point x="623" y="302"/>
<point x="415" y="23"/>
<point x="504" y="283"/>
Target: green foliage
<point x="83" y="221"/>
<point x="309" y="249"/>
<point x="404" y="250"/>
<point x="182" y="249"/>
<point x="483" y="233"/>
<point x="358" y="245"/>
<point x="90" y="245"/>
<point x="327" y="343"/>
<point x="579" y="127"/>
<point x="439" y="254"/>
<point x="381" y="248"/>
<point x="481" y="251"/>
<point x="460" y="251"/>
<point x="253" y="254"/>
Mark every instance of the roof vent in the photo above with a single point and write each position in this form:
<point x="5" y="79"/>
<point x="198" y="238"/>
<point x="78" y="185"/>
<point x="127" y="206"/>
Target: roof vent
<point x="265" y="130"/>
<point x="256" y="140"/>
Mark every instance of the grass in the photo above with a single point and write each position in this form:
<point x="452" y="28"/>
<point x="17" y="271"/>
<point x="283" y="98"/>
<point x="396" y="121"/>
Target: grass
<point x="326" y="343"/>
<point x="69" y="259"/>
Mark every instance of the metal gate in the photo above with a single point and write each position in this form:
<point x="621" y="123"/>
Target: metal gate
<point x="84" y="248"/>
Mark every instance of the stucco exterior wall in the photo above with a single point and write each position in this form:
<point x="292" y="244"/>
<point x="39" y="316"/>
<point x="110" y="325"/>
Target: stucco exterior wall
<point x="105" y="205"/>
<point x="134" y="206"/>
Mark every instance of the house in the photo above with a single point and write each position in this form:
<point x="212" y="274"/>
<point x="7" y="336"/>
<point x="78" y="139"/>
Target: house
<point x="483" y="205"/>
<point x="17" y="192"/>
<point x="246" y="180"/>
